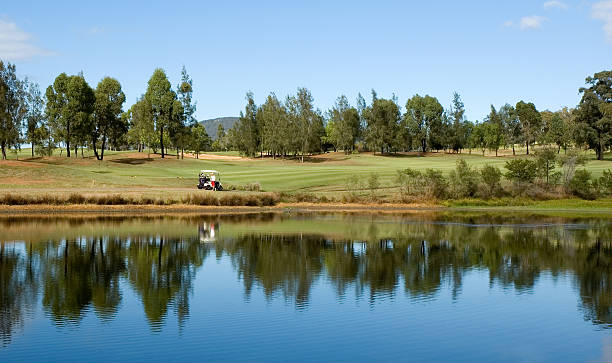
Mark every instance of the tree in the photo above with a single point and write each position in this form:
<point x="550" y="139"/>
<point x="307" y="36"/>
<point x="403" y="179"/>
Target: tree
<point x="382" y="118"/>
<point x="531" y="121"/>
<point x="185" y="95"/>
<point x="247" y="128"/>
<point x="107" y="113"/>
<point x="160" y="98"/>
<point x="70" y="103"/>
<point x="546" y="159"/>
<point x="493" y="131"/>
<point x="511" y="125"/>
<point x="594" y="113"/>
<point x="477" y="138"/>
<point x="36" y="130"/>
<point x="423" y="114"/>
<point x="346" y="125"/>
<point x="200" y="139"/>
<point x="305" y="122"/>
<point x="13" y="107"/>
<point x="274" y="122"/>
<point x="141" y="126"/>
<point x="457" y="135"/>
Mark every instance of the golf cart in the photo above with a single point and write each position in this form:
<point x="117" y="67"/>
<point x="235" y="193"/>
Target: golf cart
<point x="209" y="180"/>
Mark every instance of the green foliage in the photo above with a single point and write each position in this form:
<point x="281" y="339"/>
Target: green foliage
<point x="594" y="113"/>
<point x="424" y="119"/>
<point x="569" y="162"/>
<point x="491" y="179"/>
<point x="604" y="183"/>
<point x="163" y="108"/>
<point x="531" y="121"/>
<point x="581" y="185"/>
<point x="464" y="180"/>
<point x="436" y="185"/>
<point x="343" y="127"/>
<point x="521" y="170"/>
<point x="373" y="182"/>
<point x="381" y="124"/>
<point x="13" y="107"/>
<point x="545" y="161"/>
<point x="108" y="104"/>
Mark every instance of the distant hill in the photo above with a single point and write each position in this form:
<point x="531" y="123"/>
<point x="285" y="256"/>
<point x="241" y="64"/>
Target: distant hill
<point x="212" y="125"/>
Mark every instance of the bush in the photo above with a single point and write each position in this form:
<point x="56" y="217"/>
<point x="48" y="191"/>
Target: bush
<point x="373" y="182"/>
<point x="491" y="178"/>
<point x="604" y="183"/>
<point x="412" y="182"/>
<point x="581" y="185"/>
<point x="463" y="180"/>
<point x="436" y="184"/>
<point x="545" y="161"/>
<point x="521" y="170"/>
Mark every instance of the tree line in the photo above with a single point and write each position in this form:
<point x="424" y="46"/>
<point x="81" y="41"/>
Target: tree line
<point x="295" y="127"/>
<point x="71" y="114"/>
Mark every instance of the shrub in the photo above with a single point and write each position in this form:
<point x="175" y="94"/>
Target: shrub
<point x="545" y="161"/>
<point x="521" y="170"/>
<point x="581" y="185"/>
<point x="463" y="180"/>
<point x="569" y="162"/>
<point x="604" y="183"/>
<point x="373" y="182"/>
<point x="412" y="182"/>
<point x="491" y="178"/>
<point x="436" y="184"/>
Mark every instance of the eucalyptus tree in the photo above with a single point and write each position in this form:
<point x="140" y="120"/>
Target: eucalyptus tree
<point x="108" y="108"/>
<point x="13" y="107"/>
<point x="382" y="124"/>
<point x="200" y="140"/>
<point x="346" y="125"/>
<point x="531" y="122"/>
<point x="70" y="104"/>
<point x="457" y="135"/>
<point x="274" y="124"/>
<point x="36" y="130"/>
<point x="493" y="130"/>
<point x="141" y="127"/>
<point x="305" y="122"/>
<point x="161" y="100"/>
<point x="185" y="96"/>
<point x="424" y="115"/>
<point x="594" y="113"/>
<point x="247" y="128"/>
<point x="513" y="134"/>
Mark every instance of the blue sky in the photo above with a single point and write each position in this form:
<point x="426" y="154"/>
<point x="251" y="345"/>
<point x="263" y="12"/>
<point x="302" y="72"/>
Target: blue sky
<point x="491" y="52"/>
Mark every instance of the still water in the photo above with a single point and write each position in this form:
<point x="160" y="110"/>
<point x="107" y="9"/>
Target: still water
<point x="306" y="287"/>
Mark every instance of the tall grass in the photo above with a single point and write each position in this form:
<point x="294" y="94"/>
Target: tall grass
<point x="203" y="199"/>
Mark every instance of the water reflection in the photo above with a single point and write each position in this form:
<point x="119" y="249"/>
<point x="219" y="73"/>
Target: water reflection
<point x="73" y="266"/>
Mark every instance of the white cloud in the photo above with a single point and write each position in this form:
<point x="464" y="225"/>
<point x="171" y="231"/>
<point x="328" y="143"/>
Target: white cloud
<point x="95" y="30"/>
<point x="603" y="11"/>
<point x="555" y="4"/>
<point x="532" y="22"/>
<point x="17" y="44"/>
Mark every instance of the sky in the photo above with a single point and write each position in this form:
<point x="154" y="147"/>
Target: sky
<point x="490" y="52"/>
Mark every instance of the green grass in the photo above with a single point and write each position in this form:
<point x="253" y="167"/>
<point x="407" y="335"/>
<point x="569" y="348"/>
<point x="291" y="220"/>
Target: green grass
<point x="130" y="172"/>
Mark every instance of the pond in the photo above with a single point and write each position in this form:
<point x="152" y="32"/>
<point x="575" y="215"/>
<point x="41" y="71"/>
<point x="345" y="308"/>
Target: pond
<point x="306" y="287"/>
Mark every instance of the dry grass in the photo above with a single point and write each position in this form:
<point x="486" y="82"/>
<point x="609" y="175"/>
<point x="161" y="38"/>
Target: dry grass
<point x="202" y="199"/>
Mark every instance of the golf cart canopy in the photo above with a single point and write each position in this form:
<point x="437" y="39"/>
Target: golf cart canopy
<point x="209" y="172"/>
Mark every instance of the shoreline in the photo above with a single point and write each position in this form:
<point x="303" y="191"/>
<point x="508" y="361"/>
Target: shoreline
<point x="133" y="209"/>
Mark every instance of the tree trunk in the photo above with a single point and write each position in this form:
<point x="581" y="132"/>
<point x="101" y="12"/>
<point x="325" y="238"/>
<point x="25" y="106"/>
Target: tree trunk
<point x="32" y="148"/>
<point x="161" y="141"/>
<point x="599" y="151"/>
<point x="76" y="149"/>
<point x="527" y="147"/>
<point x="95" y="150"/>
<point x="513" y="152"/>
<point x="495" y="152"/>
<point x="103" y="146"/>
<point x="3" y="146"/>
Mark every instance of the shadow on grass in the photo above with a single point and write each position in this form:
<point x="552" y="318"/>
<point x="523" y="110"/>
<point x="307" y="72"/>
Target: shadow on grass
<point x="132" y="161"/>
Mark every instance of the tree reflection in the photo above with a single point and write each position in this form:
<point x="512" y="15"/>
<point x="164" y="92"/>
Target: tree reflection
<point x="72" y="276"/>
